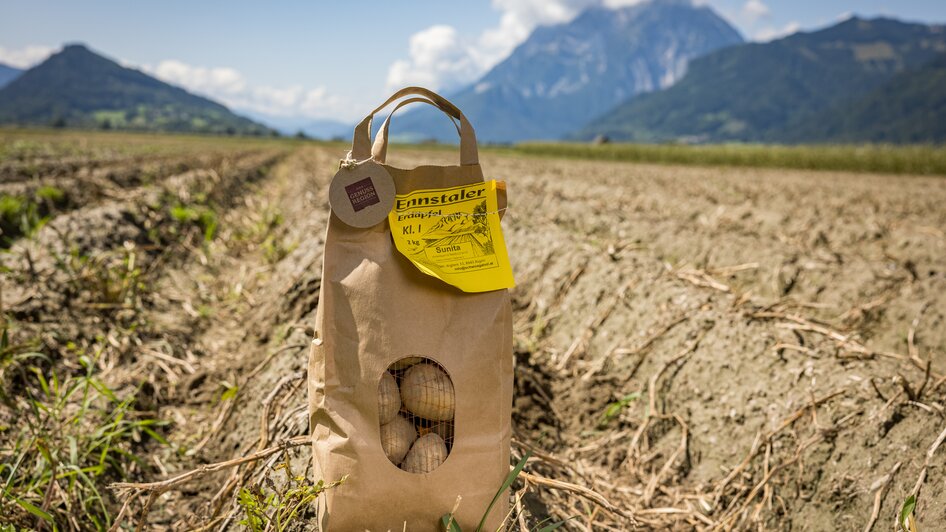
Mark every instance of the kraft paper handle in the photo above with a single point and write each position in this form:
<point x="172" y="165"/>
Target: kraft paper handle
<point x="379" y="150"/>
<point x="361" y="143"/>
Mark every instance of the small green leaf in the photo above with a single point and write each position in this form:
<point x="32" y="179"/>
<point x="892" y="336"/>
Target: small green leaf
<point x="613" y="409"/>
<point x="229" y="393"/>
<point x="906" y="511"/>
<point x="449" y="524"/>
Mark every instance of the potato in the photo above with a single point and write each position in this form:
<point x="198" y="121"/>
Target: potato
<point x="405" y="363"/>
<point x="427" y="453"/>
<point x="397" y="437"/>
<point x="444" y="430"/>
<point x="389" y="398"/>
<point x="426" y="391"/>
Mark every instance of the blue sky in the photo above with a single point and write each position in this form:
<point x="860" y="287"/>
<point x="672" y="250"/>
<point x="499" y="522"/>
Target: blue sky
<point x="321" y="59"/>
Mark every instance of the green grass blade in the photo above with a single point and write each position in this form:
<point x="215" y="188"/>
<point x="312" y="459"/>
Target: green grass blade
<point x="154" y="435"/>
<point x="555" y="526"/>
<point x="35" y="510"/>
<point x="510" y="478"/>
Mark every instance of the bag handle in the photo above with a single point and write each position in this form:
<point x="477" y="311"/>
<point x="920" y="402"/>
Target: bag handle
<point x="379" y="150"/>
<point x="361" y="147"/>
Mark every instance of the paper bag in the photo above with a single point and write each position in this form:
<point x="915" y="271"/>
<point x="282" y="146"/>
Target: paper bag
<point x="410" y="379"/>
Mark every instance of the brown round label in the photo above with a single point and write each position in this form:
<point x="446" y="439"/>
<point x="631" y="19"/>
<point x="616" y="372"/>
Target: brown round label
<point x="362" y="195"/>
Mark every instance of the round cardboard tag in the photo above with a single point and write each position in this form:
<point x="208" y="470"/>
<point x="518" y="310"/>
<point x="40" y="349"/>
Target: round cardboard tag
<point x="362" y="195"/>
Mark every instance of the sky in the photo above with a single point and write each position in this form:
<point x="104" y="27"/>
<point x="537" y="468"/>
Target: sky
<point x="335" y="60"/>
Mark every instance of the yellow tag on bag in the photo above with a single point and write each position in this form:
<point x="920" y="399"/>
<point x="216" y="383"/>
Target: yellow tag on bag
<point x="454" y="234"/>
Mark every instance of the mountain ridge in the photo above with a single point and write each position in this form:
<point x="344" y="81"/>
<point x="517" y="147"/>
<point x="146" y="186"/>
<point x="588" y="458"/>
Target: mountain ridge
<point x="763" y="91"/>
<point x="77" y="87"/>
<point x="316" y="128"/>
<point x="564" y="75"/>
<point x="8" y="74"/>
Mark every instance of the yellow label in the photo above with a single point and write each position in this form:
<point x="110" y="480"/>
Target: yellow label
<point x="453" y="234"/>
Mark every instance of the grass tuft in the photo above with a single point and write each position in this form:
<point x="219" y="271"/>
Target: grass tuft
<point x="51" y="194"/>
<point x="18" y="216"/>
<point x="282" y="506"/>
<point x="202" y="216"/>
<point x="73" y="435"/>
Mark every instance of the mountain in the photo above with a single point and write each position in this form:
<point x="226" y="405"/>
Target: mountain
<point x="327" y="129"/>
<point x="316" y="128"/>
<point x="563" y="76"/>
<point x="910" y="108"/>
<point x="79" y="88"/>
<point x="8" y="74"/>
<point x="769" y="91"/>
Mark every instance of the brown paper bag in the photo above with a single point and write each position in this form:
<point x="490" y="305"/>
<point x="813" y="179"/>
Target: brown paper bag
<point x="377" y="309"/>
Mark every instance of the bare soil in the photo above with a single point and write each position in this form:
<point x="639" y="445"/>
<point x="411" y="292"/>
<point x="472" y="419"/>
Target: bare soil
<point x="697" y="348"/>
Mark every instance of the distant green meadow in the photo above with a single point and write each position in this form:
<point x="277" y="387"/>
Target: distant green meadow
<point x="873" y="158"/>
<point x="924" y="159"/>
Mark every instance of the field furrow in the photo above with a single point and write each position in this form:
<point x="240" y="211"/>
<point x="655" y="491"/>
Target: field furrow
<point x="696" y="348"/>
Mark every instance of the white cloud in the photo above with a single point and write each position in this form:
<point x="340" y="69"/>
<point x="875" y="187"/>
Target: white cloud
<point x="220" y="80"/>
<point x="754" y="10"/>
<point x="230" y="87"/>
<point x="754" y="19"/>
<point x="769" y="33"/>
<point x="441" y="59"/>
<point x="27" y="56"/>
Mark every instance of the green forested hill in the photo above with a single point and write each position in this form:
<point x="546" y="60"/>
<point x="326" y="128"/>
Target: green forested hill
<point x="774" y="91"/>
<point x="79" y="88"/>
<point x="910" y="108"/>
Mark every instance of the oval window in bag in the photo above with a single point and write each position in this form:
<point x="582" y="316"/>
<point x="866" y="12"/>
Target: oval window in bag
<point x="416" y="403"/>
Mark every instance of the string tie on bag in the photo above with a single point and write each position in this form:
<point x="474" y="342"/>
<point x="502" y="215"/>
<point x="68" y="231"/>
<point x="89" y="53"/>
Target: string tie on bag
<point x="348" y="162"/>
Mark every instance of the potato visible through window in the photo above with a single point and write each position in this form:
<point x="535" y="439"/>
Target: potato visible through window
<point x="416" y="404"/>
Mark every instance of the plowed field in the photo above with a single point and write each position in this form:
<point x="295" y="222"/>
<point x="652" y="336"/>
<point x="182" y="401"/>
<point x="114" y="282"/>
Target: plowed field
<point x="696" y="347"/>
